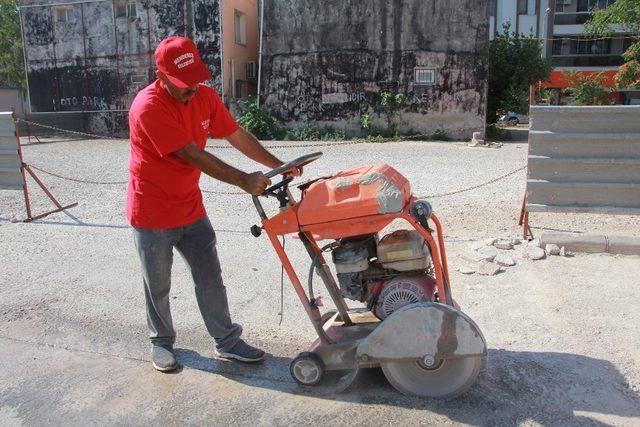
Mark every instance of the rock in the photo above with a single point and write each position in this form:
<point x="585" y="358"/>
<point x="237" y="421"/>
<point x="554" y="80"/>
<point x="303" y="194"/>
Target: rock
<point x="533" y="252"/>
<point x="503" y="244"/>
<point x="487" y="268"/>
<point x="476" y="140"/>
<point x="466" y="269"/>
<point x="474" y="246"/>
<point x="534" y="243"/>
<point x="504" y="260"/>
<point x="565" y="253"/>
<point x="471" y="256"/>
<point x="552" y="249"/>
<point x="488" y="253"/>
<point x="515" y="241"/>
<point x="490" y="242"/>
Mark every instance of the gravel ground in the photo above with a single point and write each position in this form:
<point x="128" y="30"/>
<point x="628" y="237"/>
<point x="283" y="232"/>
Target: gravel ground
<point x="563" y="333"/>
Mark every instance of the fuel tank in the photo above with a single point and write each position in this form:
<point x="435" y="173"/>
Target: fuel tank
<point x="354" y="193"/>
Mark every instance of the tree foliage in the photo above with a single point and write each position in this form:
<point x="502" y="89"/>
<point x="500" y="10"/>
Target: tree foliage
<point x="11" y="59"/>
<point x="586" y="88"/>
<point x="515" y="63"/>
<point x="624" y="13"/>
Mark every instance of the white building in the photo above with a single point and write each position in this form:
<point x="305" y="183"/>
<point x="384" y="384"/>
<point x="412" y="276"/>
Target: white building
<point x="559" y="25"/>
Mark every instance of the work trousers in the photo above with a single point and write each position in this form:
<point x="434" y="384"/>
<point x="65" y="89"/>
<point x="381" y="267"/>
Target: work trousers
<point x="196" y="243"/>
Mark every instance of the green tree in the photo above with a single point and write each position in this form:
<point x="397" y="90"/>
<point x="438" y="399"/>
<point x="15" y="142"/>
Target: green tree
<point x="515" y="63"/>
<point x="586" y="89"/>
<point x="11" y="59"/>
<point x="625" y="13"/>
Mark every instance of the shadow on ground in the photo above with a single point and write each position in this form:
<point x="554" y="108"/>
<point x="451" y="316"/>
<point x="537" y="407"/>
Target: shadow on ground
<point x="513" y="386"/>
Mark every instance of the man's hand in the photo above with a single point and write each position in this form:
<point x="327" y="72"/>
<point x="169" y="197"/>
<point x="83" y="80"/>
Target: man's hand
<point x="255" y="183"/>
<point x="295" y="171"/>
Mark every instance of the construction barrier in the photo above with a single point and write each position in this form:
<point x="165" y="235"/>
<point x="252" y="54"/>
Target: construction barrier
<point x="584" y="159"/>
<point x="13" y="169"/>
<point x="10" y="175"/>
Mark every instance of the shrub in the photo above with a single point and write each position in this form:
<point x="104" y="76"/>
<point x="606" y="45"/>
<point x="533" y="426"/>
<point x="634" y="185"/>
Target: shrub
<point x="258" y="122"/>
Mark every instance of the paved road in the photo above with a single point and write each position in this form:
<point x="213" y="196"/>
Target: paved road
<point x="563" y="335"/>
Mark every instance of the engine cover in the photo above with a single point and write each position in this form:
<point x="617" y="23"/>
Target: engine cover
<point x="401" y="291"/>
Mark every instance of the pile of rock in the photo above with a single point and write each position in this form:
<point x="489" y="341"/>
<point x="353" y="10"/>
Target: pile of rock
<point x="491" y="256"/>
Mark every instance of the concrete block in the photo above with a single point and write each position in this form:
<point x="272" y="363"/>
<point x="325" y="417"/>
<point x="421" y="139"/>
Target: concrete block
<point x="589" y="243"/>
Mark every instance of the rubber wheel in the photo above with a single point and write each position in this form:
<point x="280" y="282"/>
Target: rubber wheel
<point x="447" y="378"/>
<point x="307" y="368"/>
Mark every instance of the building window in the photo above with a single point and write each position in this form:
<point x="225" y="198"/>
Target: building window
<point x="251" y="71"/>
<point x="126" y="9"/>
<point x="241" y="27"/>
<point x="587" y="5"/>
<point x="492" y="7"/>
<point x="64" y="14"/>
<point x="425" y="76"/>
<point x="526" y="7"/>
<point x="561" y="4"/>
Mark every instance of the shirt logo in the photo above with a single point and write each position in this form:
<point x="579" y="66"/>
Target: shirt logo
<point x="205" y="124"/>
<point x="184" y="60"/>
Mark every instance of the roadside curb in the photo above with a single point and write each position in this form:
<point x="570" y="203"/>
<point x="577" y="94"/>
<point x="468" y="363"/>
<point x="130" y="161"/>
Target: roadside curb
<point x="593" y="243"/>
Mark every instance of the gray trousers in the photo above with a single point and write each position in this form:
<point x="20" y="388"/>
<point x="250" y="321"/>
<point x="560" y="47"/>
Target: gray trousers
<point x="197" y="244"/>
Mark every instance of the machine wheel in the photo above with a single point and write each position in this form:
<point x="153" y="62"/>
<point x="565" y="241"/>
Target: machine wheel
<point x="440" y="379"/>
<point x="307" y="368"/>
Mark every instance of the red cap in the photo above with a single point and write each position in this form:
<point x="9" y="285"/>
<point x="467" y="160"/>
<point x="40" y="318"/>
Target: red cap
<point x="177" y="57"/>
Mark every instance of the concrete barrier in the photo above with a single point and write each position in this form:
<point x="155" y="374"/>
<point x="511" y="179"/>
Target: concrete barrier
<point x="593" y="243"/>
<point x="584" y="159"/>
<point x="10" y="176"/>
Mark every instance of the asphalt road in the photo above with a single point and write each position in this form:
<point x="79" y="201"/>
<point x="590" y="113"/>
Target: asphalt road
<point x="563" y="332"/>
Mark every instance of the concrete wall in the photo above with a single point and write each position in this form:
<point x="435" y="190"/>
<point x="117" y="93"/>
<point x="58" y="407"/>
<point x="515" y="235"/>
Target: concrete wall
<point x="584" y="159"/>
<point x="97" y="61"/>
<point x="237" y="55"/>
<point x="11" y="98"/>
<point x="327" y="62"/>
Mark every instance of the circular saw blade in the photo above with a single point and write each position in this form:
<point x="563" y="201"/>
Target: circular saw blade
<point x="447" y="378"/>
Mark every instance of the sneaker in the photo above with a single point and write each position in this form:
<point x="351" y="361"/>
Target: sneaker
<point x="163" y="358"/>
<point x="243" y="352"/>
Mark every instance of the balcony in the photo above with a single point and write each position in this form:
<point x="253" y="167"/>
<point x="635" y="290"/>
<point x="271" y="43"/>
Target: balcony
<point x="573" y="18"/>
<point x="587" y="60"/>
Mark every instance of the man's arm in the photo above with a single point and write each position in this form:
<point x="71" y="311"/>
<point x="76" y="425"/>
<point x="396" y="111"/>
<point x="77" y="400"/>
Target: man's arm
<point x="249" y="145"/>
<point x="252" y="183"/>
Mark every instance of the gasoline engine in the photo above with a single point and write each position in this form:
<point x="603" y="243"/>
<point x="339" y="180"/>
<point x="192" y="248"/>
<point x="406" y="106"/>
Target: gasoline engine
<point x="386" y="273"/>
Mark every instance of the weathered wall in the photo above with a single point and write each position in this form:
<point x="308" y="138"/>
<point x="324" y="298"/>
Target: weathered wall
<point x="98" y="62"/>
<point x="327" y="61"/>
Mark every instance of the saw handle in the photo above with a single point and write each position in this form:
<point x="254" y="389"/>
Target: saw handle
<point x="297" y="163"/>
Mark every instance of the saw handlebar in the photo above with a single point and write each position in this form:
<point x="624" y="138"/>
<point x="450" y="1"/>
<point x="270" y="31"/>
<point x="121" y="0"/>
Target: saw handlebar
<point x="297" y="163"/>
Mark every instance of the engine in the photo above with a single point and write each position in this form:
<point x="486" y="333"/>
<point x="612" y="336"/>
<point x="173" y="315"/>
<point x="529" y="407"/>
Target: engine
<point x="386" y="273"/>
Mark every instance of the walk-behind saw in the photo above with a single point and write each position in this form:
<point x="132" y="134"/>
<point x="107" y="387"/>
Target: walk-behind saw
<point x="410" y="325"/>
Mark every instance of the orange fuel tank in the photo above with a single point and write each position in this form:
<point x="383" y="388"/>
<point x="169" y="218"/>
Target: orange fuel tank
<point x="354" y="193"/>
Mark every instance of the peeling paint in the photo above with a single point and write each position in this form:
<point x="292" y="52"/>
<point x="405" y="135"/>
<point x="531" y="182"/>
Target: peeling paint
<point x="388" y="195"/>
<point x="327" y="62"/>
<point x="97" y="61"/>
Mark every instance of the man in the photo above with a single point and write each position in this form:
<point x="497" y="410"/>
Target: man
<point x="169" y="122"/>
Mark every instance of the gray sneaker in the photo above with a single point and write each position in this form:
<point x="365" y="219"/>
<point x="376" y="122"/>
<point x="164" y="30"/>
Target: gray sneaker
<point x="163" y="358"/>
<point x="243" y="352"/>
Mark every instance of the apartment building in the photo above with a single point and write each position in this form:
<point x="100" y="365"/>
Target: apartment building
<point x="559" y="25"/>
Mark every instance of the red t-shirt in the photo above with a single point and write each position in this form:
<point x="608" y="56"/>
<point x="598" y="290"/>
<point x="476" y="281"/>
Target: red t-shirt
<point x="163" y="190"/>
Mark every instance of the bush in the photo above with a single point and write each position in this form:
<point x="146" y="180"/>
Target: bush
<point x="310" y="132"/>
<point x="440" y="135"/>
<point x="586" y="89"/>
<point x="258" y="122"/>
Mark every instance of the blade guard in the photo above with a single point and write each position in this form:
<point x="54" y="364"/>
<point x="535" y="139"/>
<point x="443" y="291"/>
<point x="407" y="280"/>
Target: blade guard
<point x="423" y="329"/>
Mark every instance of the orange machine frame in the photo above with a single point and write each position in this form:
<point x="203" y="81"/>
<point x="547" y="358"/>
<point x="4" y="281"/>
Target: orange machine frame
<point x="286" y="222"/>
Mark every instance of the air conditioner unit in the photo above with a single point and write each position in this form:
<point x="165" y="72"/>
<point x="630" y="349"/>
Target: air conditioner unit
<point x="566" y="2"/>
<point x="251" y="70"/>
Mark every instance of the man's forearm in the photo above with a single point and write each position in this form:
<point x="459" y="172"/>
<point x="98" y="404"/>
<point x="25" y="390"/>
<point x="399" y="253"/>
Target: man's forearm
<point x="211" y="165"/>
<point x="246" y="143"/>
